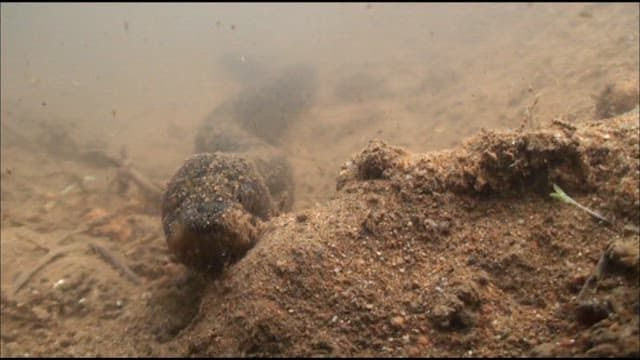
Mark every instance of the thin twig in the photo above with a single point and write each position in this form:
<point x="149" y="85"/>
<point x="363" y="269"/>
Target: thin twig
<point x="564" y="124"/>
<point x="560" y="195"/>
<point x="150" y="237"/>
<point x="595" y="276"/>
<point x="50" y="257"/>
<point x="590" y="282"/>
<point x="111" y="259"/>
<point x="26" y="276"/>
<point x="589" y="211"/>
<point x="82" y="229"/>
<point x="149" y="189"/>
<point x="127" y="173"/>
<point x="528" y="114"/>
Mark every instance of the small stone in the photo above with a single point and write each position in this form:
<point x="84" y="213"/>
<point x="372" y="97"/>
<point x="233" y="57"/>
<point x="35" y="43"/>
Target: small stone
<point x="449" y="314"/>
<point x="430" y="224"/>
<point x="444" y="226"/>
<point x="575" y="283"/>
<point x="624" y="254"/>
<point x="397" y="322"/>
<point x="41" y="313"/>
<point x="543" y="350"/>
<point x="49" y="205"/>
<point x="65" y="343"/>
<point x="416" y="307"/>
<point x="592" y="311"/>
<point x="423" y="340"/>
<point x="414" y="352"/>
<point x="630" y="230"/>
<point x="468" y="293"/>
<point x="62" y="285"/>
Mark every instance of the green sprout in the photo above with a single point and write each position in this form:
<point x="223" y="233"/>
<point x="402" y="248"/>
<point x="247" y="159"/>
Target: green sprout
<point x="560" y="195"/>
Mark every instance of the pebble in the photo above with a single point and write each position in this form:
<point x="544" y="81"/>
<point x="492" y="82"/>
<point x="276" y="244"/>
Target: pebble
<point x="431" y="224"/>
<point x="41" y="313"/>
<point x="59" y="283"/>
<point x="592" y="311"/>
<point x="414" y="352"/>
<point x="423" y="340"/>
<point x="397" y="322"/>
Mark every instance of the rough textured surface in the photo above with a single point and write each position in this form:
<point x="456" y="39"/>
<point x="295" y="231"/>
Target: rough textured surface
<point x="211" y="210"/>
<point x="412" y="259"/>
<point x="251" y="124"/>
<point x="407" y="264"/>
<point x="418" y="257"/>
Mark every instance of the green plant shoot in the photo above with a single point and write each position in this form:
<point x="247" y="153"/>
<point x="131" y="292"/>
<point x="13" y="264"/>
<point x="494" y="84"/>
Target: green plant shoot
<point x="560" y="195"/>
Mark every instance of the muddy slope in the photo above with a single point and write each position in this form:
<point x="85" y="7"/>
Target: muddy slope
<point x="452" y="253"/>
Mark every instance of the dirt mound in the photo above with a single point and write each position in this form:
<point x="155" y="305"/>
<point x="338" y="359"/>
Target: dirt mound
<point x="452" y="253"/>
